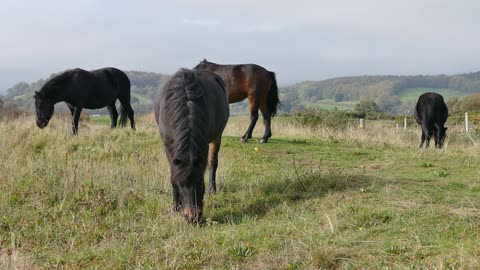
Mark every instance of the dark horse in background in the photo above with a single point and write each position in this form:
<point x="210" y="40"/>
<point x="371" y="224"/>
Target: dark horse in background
<point x="86" y="89"/>
<point x="253" y="82"/>
<point x="191" y="112"/>
<point x="431" y="113"/>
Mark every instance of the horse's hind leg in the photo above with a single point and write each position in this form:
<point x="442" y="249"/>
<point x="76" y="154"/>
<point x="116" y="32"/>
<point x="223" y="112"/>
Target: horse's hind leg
<point x="214" y="147"/>
<point x="112" y="110"/>
<point x="267" y="120"/>
<point x="128" y="109"/>
<point x="253" y="120"/>
<point x="130" y="115"/>
<point x="422" y="140"/>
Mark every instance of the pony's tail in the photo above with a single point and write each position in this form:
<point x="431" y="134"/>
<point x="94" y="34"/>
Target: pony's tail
<point x="273" y="102"/>
<point x="123" y="117"/>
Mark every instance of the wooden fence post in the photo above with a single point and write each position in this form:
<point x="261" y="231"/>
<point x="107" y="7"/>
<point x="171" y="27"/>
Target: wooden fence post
<point x="467" y="124"/>
<point x="362" y="123"/>
<point x="405" y="123"/>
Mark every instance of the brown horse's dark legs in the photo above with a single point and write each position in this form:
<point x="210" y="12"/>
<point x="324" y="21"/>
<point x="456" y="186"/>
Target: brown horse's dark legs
<point x="113" y="115"/>
<point x="214" y="147"/>
<point x="253" y="121"/>
<point x="267" y="120"/>
<point x="76" y="117"/>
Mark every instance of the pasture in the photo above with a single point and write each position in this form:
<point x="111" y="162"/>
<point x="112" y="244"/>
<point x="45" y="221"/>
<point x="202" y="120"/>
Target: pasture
<point x="312" y="198"/>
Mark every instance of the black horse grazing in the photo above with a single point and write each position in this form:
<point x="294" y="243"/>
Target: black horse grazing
<point x="431" y="113"/>
<point x="191" y="112"/>
<point x="254" y="82"/>
<point x="86" y="89"/>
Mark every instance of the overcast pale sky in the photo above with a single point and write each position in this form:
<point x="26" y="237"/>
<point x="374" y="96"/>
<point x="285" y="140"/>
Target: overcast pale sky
<point x="299" y="40"/>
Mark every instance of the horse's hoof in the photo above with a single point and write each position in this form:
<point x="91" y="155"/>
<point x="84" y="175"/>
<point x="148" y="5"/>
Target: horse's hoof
<point x="263" y="141"/>
<point x="244" y="140"/>
<point x="212" y="192"/>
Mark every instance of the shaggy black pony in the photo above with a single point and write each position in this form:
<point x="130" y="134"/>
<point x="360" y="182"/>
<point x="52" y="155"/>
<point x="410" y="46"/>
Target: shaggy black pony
<point x="86" y="89"/>
<point x="431" y="113"/>
<point x="191" y="112"/>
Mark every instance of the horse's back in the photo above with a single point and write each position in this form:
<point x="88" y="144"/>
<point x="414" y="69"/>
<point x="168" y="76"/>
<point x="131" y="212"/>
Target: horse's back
<point x="114" y="77"/>
<point x="211" y="102"/>
<point x="216" y="99"/>
<point x="431" y="108"/>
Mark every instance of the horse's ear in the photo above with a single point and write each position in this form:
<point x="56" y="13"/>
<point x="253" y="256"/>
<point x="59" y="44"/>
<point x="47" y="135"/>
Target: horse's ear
<point x="38" y="94"/>
<point x="204" y="60"/>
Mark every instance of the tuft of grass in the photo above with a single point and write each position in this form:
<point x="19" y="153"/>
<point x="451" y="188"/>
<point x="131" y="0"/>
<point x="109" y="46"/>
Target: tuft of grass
<point x="427" y="164"/>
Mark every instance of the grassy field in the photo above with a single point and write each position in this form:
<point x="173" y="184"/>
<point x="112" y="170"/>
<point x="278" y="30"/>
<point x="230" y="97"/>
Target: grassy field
<point x="412" y="94"/>
<point x="311" y="198"/>
<point x="330" y="104"/>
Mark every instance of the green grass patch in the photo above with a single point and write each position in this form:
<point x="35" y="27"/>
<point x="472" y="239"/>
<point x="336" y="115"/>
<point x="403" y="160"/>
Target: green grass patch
<point x="412" y="94"/>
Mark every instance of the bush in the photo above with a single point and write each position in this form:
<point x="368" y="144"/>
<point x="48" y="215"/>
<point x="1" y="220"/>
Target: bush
<point x="315" y="118"/>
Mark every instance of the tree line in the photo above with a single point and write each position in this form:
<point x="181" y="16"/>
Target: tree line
<point x="384" y="91"/>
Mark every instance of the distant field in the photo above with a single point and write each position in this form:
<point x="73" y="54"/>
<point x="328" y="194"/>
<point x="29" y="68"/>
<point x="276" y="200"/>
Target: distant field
<point x="412" y="94"/>
<point x="142" y="98"/>
<point x="100" y="119"/>
<point x="330" y="104"/>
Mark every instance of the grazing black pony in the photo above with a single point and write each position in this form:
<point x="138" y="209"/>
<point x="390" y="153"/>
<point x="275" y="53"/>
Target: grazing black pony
<point x="86" y="89"/>
<point x="253" y="82"/>
<point x="191" y="112"/>
<point x="431" y="113"/>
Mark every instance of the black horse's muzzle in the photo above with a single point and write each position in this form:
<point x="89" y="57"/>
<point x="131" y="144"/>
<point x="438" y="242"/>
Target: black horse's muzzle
<point x="42" y="124"/>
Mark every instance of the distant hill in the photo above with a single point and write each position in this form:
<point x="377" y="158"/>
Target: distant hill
<point x="393" y="94"/>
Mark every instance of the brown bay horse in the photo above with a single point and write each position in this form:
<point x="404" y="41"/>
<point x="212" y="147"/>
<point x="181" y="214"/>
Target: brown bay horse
<point x="253" y="82"/>
<point x="191" y="112"/>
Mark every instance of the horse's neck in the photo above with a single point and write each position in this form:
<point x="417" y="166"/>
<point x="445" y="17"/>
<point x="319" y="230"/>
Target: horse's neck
<point x="56" y="96"/>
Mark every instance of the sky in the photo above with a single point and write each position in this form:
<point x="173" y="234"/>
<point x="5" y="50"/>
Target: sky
<point x="299" y="40"/>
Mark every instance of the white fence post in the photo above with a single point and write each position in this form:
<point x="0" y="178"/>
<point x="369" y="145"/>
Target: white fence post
<point x="467" y="124"/>
<point x="362" y="123"/>
<point x="396" y="126"/>
<point x="405" y="123"/>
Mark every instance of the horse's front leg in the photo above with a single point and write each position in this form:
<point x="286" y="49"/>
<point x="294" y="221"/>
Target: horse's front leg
<point x="76" y="117"/>
<point x="214" y="147"/>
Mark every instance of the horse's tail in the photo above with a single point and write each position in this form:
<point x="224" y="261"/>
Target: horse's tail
<point x="123" y="116"/>
<point x="124" y="85"/>
<point x="273" y="102"/>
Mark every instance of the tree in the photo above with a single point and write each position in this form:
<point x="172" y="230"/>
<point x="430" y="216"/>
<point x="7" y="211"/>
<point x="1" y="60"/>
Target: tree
<point x="339" y="97"/>
<point x="366" y="107"/>
<point x="471" y="103"/>
<point x="389" y="104"/>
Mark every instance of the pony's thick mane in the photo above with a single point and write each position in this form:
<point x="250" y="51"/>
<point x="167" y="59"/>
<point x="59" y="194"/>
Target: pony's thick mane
<point x="188" y="110"/>
<point x="57" y="80"/>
